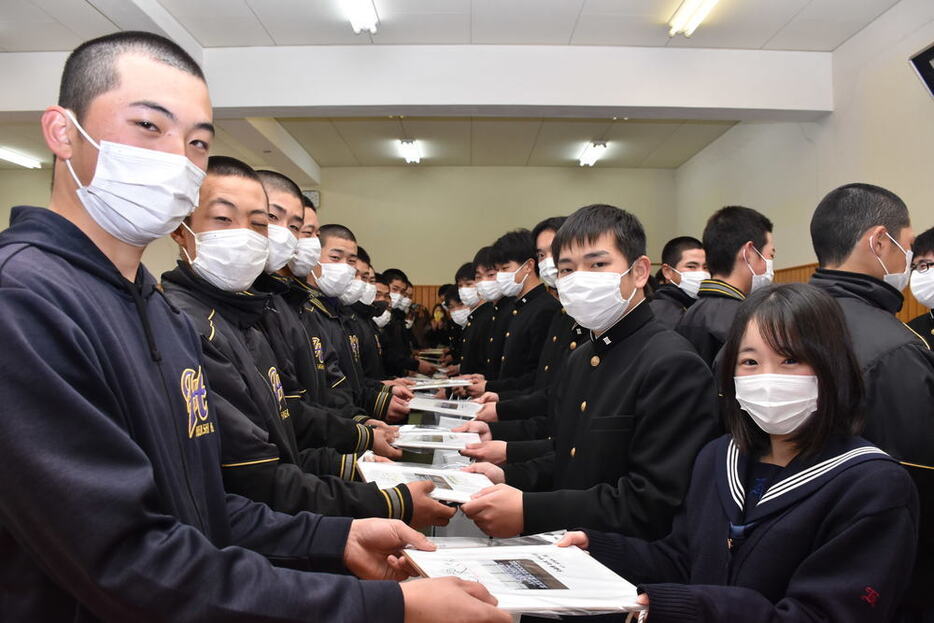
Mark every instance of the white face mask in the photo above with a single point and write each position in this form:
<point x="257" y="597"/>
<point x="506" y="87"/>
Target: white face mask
<point x="409" y="324"/>
<point x="507" y="282"/>
<point x="760" y="281"/>
<point x="460" y="316"/>
<point x="335" y="278"/>
<point x="405" y="303"/>
<point x="306" y="256"/>
<point x="489" y="290"/>
<point x="369" y="294"/>
<point x="593" y="299"/>
<point x="383" y="319"/>
<point x="395" y="300"/>
<point x="282" y="243"/>
<point x="922" y="287"/>
<point x="690" y="281"/>
<point x="353" y="292"/>
<point x="469" y="296"/>
<point x="896" y="280"/>
<point x="548" y="271"/>
<point x="778" y="403"/>
<point x="229" y="259"/>
<point x="138" y="195"/>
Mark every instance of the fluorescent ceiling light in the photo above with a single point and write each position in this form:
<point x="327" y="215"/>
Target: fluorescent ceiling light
<point x="18" y="158"/>
<point x="592" y="152"/>
<point x="410" y="150"/>
<point x="689" y="16"/>
<point x="362" y="15"/>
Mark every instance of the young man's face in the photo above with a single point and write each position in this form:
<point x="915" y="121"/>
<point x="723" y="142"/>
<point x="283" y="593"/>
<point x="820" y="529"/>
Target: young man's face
<point x="285" y="210"/>
<point x="154" y="106"/>
<point x="408" y="291"/>
<point x="336" y="250"/>
<point x="363" y="271"/>
<point x="466" y="283"/>
<point x="382" y="293"/>
<point x="543" y="244"/>
<point x="225" y="202"/>
<point x="486" y="273"/>
<point x="309" y="224"/>
<point x="604" y="256"/>
<point x="397" y="286"/>
<point x="692" y="260"/>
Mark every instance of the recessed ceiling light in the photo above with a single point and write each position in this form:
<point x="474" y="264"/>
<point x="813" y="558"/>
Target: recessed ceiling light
<point x="592" y="152"/>
<point x="410" y="150"/>
<point x="17" y="158"/>
<point x="362" y="15"/>
<point x="689" y="16"/>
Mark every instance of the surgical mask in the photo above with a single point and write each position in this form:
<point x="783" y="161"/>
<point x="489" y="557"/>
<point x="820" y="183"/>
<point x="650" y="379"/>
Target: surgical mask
<point x="282" y="243"/>
<point x="335" y="278"/>
<point x="395" y="299"/>
<point x="138" y="195"/>
<point x="778" y="403"/>
<point x="460" y="316"/>
<point x="469" y="296"/>
<point x="405" y="303"/>
<point x="593" y="299"/>
<point x="489" y="290"/>
<point x="548" y="271"/>
<point x="352" y="294"/>
<point x="383" y="319"/>
<point x="922" y="287"/>
<point x="896" y="280"/>
<point x="306" y="256"/>
<point x="229" y="259"/>
<point x="409" y="324"/>
<point x="369" y="294"/>
<point x="507" y="282"/>
<point x="691" y="280"/>
<point x="760" y="281"/>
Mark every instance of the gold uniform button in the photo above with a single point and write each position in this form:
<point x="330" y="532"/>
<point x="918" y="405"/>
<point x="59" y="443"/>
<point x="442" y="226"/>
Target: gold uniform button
<point x="515" y="312"/>
<point x="468" y="324"/>
<point x="573" y="452"/>
<point x="595" y="361"/>
<point x="554" y="339"/>
<point x="583" y="406"/>
<point x="546" y="368"/>
<point x="491" y="340"/>
<point x="507" y="333"/>
<point x="503" y="358"/>
<point x="572" y="345"/>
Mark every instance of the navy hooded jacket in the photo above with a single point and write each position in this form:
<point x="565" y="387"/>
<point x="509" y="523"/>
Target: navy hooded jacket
<point x="111" y="501"/>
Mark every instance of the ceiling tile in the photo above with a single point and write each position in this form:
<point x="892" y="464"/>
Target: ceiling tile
<point x="321" y="140"/>
<point x="825" y="24"/>
<point x="374" y="142"/>
<point x="688" y="139"/>
<point x="544" y="22"/>
<point x="444" y="142"/>
<point x="747" y="24"/>
<point x="30" y="36"/>
<point x="560" y="142"/>
<point x="628" y="22"/>
<point x="79" y="17"/>
<point x="503" y="142"/>
<point x="300" y="22"/>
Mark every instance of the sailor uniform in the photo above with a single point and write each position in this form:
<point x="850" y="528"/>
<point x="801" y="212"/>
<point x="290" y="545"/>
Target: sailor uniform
<point x="898" y="373"/>
<point x="669" y="303"/>
<point x="633" y="408"/>
<point x="119" y="510"/>
<point x="707" y="323"/>
<point x="524" y="340"/>
<point x="830" y="541"/>
<point x="261" y="458"/>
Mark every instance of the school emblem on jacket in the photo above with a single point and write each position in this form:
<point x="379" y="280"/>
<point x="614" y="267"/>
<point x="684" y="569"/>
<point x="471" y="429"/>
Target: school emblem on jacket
<point x="318" y="348"/>
<point x="355" y="346"/>
<point x="276" y="383"/>
<point x="195" y="395"/>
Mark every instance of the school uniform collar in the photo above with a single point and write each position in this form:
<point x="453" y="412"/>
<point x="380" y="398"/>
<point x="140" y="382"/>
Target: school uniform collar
<point x="674" y="293"/>
<point x="844" y="284"/>
<point x="313" y="297"/>
<point x="719" y="288"/>
<point x="245" y="309"/>
<point x="798" y="479"/>
<point x="271" y="283"/>
<point x="477" y="309"/>
<point x="530" y="296"/>
<point x="634" y="320"/>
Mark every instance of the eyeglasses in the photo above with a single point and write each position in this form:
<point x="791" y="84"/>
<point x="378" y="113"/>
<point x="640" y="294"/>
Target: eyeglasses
<point x="922" y="266"/>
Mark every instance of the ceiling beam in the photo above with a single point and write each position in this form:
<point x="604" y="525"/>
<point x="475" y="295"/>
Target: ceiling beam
<point x="150" y="16"/>
<point x="266" y="136"/>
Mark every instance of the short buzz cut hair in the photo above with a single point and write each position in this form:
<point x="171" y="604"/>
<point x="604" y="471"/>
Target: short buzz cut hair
<point x="91" y="68"/>
<point x="589" y="223"/>
<point x="227" y="166"/>
<point x="273" y="180"/>
<point x="334" y="230"/>
<point x="363" y="255"/>
<point x="394" y="274"/>
<point x="674" y="249"/>
<point x="846" y="213"/>
<point x="727" y="230"/>
<point x="308" y="203"/>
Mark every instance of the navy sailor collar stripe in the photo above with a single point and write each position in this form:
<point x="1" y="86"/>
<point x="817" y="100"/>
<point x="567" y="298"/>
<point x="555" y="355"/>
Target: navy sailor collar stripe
<point x="799" y="479"/>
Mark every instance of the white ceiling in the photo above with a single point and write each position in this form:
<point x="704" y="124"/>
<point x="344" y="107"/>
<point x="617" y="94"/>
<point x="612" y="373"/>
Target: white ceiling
<point x="816" y="25"/>
<point x="456" y="141"/>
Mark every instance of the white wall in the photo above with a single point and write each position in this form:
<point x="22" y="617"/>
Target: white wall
<point x="429" y="220"/>
<point x="881" y="131"/>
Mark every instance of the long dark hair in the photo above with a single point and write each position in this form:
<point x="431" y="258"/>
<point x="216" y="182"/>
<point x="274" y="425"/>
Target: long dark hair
<point x="802" y="322"/>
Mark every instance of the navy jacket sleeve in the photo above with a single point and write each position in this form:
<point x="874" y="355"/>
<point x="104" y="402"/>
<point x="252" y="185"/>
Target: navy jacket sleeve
<point x="88" y="511"/>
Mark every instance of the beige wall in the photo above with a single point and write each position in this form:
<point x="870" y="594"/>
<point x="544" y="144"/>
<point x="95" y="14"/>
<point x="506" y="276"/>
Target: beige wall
<point x="429" y="220"/>
<point x="881" y="131"/>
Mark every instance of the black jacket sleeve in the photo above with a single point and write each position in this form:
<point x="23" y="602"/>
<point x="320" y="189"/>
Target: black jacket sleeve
<point x="127" y="560"/>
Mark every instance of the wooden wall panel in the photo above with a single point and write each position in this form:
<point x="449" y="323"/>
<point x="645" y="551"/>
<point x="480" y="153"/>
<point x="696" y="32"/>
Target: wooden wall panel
<point x="426" y="296"/>
<point x="911" y="309"/>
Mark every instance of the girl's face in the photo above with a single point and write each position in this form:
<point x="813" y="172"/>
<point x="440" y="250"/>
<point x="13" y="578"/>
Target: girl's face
<point x="757" y="357"/>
